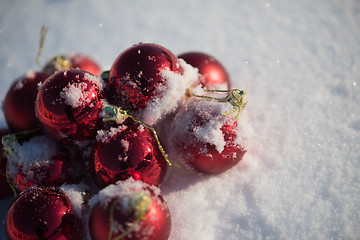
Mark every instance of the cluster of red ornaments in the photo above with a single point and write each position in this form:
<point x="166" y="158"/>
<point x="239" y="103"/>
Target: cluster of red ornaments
<point x="83" y="162"/>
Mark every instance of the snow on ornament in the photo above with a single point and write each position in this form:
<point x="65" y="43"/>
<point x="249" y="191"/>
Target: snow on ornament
<point x="129" y="210"/>
<point x="41" y="161"/>
<point x="147" y="89"/>
<point x="68" y="105"/>
<point x="213" y="74"/>
<point x="149" y="80"/>
<point x="210" y="133"/>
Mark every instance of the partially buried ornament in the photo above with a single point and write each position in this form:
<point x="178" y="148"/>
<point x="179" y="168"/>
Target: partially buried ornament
<point x="19" y="102"/>
<point x="213" y="73"/>
<point x="43" y="213"/>
<point x="68" y="104"/>
<point x="41" y="161"/>
<point x="130" y="210"/>
<point x="72" y="60"/>
<point x="129" y="150"/>
<point x="209" y="135"/>
<point x="136" y="75"/>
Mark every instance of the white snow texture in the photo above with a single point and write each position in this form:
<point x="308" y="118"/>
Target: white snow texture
<point x="300" y="65"/>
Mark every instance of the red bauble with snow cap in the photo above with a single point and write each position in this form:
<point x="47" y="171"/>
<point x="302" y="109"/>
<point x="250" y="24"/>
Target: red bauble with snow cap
<point x="136" y="75"/>
<point x="68" y="104"/>
<point x="43" y="213"/>
<point x="129" y="150"/>
<point x="19" y="103"/>
<point x="213" y="73"/>
<point x="41" y="161"/>
<point x="130" y="210"/>
<point x="207" y="137"/>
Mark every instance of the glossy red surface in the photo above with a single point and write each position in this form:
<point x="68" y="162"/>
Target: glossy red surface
<point x="214" y="75"/>
<point x="85" y="63"/>
<point x="60" y="170"/>
<point x="140" y="159"/>
<point x="155" y="226"/>
<point x="218" y="162"/>
<point x="136" y="74"/>
<point x="19" y="102"/>
<point x="62" y="121"/>
<point x="75" y="60"/>
<point x="43" y="213"/>
<point x="209" y="159"/>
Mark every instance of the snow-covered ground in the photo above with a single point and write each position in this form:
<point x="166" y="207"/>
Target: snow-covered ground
<point x="300" y="65"/>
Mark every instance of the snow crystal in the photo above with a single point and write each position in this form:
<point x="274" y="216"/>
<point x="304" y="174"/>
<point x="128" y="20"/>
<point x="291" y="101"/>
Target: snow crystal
<point x="141" y="128"/>
<point x="125" y="144"/>
<point x="76" y="94"/>
<point x="94" y="79"/>
<point x="171" y="94"/>
<point x="30" y="74"/>
<point x="39" y="85"/>
<point x="106" y="135"/>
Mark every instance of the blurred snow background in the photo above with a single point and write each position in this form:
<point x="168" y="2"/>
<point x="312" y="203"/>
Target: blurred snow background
<point x="299" y="63"/>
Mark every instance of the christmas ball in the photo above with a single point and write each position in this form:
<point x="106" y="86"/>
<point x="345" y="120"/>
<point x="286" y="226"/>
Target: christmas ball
<point x="130" y="210"/>
<point x="19" y="102"/>
<point x="127" y="151"/>
<point x="136" y="75"/>
<point x="213" y="73"/>
<point x="73" y="60"/>
<point x="68" y="104"/>
<point x="41" y="161"/>
<point x="43" y="213"/>
<point x="207" y="138"/>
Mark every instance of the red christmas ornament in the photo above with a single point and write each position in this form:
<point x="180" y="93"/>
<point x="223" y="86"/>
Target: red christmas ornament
<point x="41" y="161"/>
<point x="135" y="75"/>
<point x="43" y="213"/>
<point x="213" y="73"/>
<point x="74" y="60"/>
<point x="127" y="151"/>
<point x="5" y="189"/>
<point x="133" y="211"/>
<point x="68" y="104"/>
<point x="207" y="137"/>
<point x="19" y="103"/>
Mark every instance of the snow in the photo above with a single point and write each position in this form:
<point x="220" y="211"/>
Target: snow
<point x="171" y="94"/>
<point x="76" y="95"/>
<point x="200" y="121"/>
<point x="300" y="65"/>
<point x="74" y="193"/>
<point x="124" y="190"/>
<point x="107" y="135"/>
<point x="30" y="156"/>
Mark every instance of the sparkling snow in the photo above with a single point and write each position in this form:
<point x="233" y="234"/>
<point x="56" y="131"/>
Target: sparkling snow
<point x="300" y="65"/>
